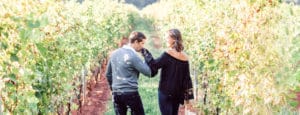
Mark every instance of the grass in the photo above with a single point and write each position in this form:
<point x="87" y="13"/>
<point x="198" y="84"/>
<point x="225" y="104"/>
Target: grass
<point x="148" y="93"/>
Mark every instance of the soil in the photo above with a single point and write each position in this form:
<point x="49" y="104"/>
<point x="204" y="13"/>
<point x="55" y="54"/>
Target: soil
<point x="189" y="110"/>
<point x="97" y="96"/>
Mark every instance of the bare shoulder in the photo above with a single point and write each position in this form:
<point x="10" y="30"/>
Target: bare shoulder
<point x="178" y="55"/>
<point x="169" y="51"/>
<point x="185" y="55"/>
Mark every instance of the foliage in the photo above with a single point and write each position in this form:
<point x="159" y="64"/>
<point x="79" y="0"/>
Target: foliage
<point x="46" y="47"/>
<point x="246" y="53"/>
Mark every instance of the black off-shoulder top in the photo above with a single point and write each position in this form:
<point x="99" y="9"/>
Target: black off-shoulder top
<point x="175" y="79"/>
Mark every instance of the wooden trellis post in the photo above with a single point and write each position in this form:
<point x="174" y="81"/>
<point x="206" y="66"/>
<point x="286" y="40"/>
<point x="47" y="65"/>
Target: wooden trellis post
<point x="196" y="82"/>
<point x="83" y="82"/>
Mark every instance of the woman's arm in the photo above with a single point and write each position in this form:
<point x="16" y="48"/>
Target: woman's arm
<point x="154" y="64"/>
<point x="188" y="86"/>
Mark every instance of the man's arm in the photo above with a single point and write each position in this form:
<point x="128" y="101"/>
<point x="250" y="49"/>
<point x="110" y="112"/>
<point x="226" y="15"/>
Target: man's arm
<point x="109" y="74"/>
<point x="141" y="66"/>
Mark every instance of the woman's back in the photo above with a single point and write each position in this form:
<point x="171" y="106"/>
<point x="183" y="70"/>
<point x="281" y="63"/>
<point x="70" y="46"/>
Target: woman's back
<point x="174" y="74"/>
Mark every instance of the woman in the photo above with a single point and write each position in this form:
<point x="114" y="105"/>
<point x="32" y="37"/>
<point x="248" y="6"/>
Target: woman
<point x="175" y="83"/>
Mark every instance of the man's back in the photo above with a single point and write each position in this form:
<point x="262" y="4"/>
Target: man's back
<point x="122" y="74"/>
<point x="125" y="67"/>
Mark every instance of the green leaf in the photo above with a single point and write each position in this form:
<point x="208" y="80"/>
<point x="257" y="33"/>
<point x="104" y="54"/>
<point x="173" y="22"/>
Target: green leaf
<point x="33" y="24"/>
<point x="5" y="34"/>
<point x="1" y="28"/>
<point x="32" y="99"/>
<point x="16" y="19"/>
<point x="24" y="34"/>
<point x="9" y="85"/>
<point x="211" y="61"/>
<point x="42" y="49"/>
<point x="12" y="77"/>
<point x="4" y="45"/>
<point x="44" y="21"/>
<point x="14" y="57"/>
<point x="293" y="103"/>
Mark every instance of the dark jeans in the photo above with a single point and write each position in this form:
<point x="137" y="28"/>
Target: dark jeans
<point x="123" y="101"/>
<point x="167" y="104"/>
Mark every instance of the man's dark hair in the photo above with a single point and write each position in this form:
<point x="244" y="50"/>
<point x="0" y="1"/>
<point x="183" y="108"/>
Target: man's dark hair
<point x="139" y="36"/>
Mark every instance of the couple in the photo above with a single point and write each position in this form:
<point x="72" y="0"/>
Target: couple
<point x="124" y="67"/>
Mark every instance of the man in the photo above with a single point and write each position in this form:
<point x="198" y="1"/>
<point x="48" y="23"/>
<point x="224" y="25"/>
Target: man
<point x="122" y="74"/>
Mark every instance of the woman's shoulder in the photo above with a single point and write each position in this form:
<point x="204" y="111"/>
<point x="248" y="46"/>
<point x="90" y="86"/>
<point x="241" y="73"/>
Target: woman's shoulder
<point x="182" y="56"/>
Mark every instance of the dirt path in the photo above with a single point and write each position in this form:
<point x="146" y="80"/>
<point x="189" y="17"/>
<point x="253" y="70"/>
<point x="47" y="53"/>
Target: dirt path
<point x="97" y="97"/>
<point x="188" y="111"/>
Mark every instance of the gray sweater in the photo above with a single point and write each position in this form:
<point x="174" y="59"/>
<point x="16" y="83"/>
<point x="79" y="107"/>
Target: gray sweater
<point x="123" y="70"/>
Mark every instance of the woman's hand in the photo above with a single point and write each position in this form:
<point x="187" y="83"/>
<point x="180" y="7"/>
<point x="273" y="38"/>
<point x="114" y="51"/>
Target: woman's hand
<point x="145" y="52"/>
<point x="188" y="104"/>
<point x="147" y="55"/>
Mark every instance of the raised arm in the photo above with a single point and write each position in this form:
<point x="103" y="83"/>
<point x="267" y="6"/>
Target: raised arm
<point x="154" y="64"/>
<point x="141" y="66"/>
